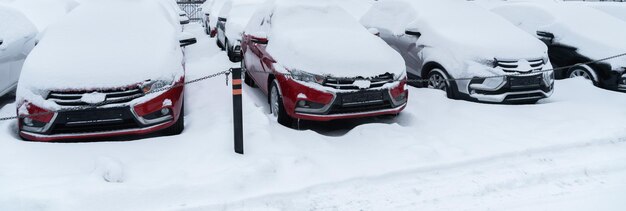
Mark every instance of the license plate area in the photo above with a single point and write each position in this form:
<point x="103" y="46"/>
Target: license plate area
<point x="525" y="82"/>
<point x="95" y="116"/>
<point x="362" y="98"/>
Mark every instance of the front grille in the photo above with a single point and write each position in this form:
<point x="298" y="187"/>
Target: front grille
<point x="363" y="101"/>
<point x="520" y="66"/>
<point x="520" y="97"/>
<point x="94" y="120"/>
<point x="73" y="98"/>
<point x="348" y="83"/>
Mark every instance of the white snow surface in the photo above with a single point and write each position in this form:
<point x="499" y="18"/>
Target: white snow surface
<point x="465" y="30"/>
<point x="565" y="153"/>
<point x="43" y="12"/>
<point x="595" y="34"/>
<point x="326" y="40"/>
<point x="104" y="44"/>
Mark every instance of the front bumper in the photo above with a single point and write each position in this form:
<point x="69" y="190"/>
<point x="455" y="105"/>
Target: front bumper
<point x="141" y="118"/>
<point x="333" y="105"/>
<point x="512" y="89"/>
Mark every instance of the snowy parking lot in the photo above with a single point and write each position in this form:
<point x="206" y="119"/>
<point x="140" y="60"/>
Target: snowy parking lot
<point x="567" y="151"/>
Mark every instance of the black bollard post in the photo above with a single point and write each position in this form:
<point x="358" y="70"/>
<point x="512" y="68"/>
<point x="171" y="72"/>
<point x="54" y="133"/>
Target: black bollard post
<point x="237" y="110"/>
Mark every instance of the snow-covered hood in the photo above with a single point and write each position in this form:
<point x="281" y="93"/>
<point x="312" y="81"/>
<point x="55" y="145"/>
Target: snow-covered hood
<point x="595" y="34"/>
<point x="468" y="30"/>
<point x="326" y="40"/>
<point x="95" y="48"/>
<point x="337" y="53"/>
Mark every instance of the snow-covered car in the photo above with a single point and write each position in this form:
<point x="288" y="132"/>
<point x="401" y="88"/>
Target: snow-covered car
<point x="91" y="77"/>
<point x="316" y="62"/>
<point x="575" y="35"/>
<point x="211" y="9"/>
<point x="17" y="39"/>
<point x="233" y="17"/>
<point x="464" y="50"/>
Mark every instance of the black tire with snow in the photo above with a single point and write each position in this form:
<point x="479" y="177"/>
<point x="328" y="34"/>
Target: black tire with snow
<point x="277" y="107"/>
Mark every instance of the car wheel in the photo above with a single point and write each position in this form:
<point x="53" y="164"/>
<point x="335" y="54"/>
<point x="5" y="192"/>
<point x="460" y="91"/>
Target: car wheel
<point x="179" y="126"/>
<point x="583" y="71"/>
<point x="438" y="79"/>
<point x="277" y="107"/>
<point x="229" y="52"/>
<point x="206" y="29"/>
<point x="219" y="44"/>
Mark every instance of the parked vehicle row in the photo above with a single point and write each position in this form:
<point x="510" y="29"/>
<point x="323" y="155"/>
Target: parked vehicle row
<point x="90" y="59"/>
<point x="313" y="59"/>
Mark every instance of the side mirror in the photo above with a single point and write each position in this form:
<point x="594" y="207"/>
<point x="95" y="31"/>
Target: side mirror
<point x="374" y="31"/>
<point x="187" y="39"/>
<point x="546" y="36"/>
<point x="413" y="32"/>
<point x="259" y="38"/>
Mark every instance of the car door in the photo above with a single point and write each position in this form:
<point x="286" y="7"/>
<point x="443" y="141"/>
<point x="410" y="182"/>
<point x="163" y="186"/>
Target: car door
<point x="407" y="46"/>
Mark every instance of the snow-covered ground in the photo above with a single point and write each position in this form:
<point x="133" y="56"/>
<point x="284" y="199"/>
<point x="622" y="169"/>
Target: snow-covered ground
<point x="567" y="152"/>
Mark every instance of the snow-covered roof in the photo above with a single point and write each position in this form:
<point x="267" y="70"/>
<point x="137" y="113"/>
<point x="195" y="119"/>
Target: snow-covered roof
<point x="615" y="9"/>
<point x="105" y="44"/>
<point x="595" y="34"/>
<point x="325" y="39"/>
<point x="19" y="27"/>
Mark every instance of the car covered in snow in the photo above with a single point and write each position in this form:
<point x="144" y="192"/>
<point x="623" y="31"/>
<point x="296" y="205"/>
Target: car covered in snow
<point x="91" y="77"/>
<point x="316" y="62"/>
<point x="615" y="9"/>
<point x="466" y="51"/>
<point x="233" y="17"/>
<point x="576" y="36"/>
<point x="211" y="9"/>
<point x="17" y="39"/>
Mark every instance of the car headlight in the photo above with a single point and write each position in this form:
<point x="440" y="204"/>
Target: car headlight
<point x="307" y="77"/>
<point x="548" y="77"/>
<point x="153" y="86"/>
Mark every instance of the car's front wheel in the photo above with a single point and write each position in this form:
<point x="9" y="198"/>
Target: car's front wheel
<point x="179" y="126"/>
<point x="583" y="71"/>
<point x="277" y="107"/>
<point x="438" y="79"/>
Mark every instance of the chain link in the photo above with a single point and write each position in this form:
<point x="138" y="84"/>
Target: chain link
<point x="472" y="78"/>
<point x="92" y="106"/>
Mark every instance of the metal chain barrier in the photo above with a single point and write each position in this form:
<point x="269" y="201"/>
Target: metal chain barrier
<point x="484" y="77"/>
<point x="227" y="73"/>
<point x="92" y="106"/>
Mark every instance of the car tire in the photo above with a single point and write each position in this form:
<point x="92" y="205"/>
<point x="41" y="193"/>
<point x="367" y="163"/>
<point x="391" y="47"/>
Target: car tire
<point x="277" y="107"/>
<point x="229" y="52"/>
<point x="582" y="71"/>
<point x="438" y="79"/>
<point x="179" y="126"/>
<point x="219" y="44"/>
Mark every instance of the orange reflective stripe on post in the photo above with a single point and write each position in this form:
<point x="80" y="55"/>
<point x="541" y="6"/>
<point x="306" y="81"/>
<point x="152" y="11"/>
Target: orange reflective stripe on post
<point x="236" y="91"/>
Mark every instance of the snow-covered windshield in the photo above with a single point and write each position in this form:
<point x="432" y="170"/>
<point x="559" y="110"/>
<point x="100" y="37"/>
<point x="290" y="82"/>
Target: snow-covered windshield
<point x="595" y="34"/>
<point x="325" y="39"/>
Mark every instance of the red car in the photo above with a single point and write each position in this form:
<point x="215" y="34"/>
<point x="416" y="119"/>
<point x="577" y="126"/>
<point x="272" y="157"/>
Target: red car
<point x="316" y="62"/>
<point x="109" y="80"/>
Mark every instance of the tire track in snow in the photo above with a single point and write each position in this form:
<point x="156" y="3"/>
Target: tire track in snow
<point x="489" y="182"/>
